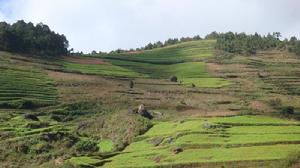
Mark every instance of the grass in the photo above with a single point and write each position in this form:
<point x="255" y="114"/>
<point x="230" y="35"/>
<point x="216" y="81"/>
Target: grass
<point x="233" y="154"/>
<point x="203" y="140"/>
<point x="105" y="145"/>
<point x="264" y="130"/>
<point x="241" y="140"/>
<point x="24" y="87"/>
<point x="217" y="143"/>
<point x="167" y="128"/>
<point x="254" y="120"/>
<point x="105" y="69"/>
<point x="183" y="60"/>
<point x="84" y="161"/>
<point x="183" y="52"/>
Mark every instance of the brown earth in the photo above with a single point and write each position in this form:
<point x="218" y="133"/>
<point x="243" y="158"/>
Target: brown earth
<point x="82" y="60"/>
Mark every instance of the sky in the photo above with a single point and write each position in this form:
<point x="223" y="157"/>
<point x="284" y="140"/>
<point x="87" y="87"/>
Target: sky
<point x="105" y="25"/>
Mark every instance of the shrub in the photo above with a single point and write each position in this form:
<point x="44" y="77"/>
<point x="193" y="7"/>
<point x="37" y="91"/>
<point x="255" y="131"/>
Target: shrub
<point x="41" y="147"/>
<point x="291" y="160"/>
<point x="27" y="104"/>
<point x="275" y="102"/>
<point x="173" y="79"/>
<point x="287" y="110"/>
<point x="31" y="117"/>
<point x="35" y="125"/>
<point x="131" y="84"/>
<point x="57" y="118"/>
<point x="22" y="148"/>
<point x="86" y="146"/>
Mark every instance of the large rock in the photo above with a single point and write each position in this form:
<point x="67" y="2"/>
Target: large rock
<point x="141" y="108"/>
<point x="143" y="112"/>
<point x="31" y="117"/>
<point x="177" y="150"/>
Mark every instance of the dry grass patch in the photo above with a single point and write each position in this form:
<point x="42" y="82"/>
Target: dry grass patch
<point x="85" y="60"/>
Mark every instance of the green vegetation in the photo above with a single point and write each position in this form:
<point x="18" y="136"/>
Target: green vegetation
<point x="242" y="43"/>
<point x="86" y="146"/>
<point x="183" y="60"/>
<point x="206" y="140"/>
<point x="183" y="52"/>
<point x="84" y="161"/>
<point x="106" y="145"/>
<point x="82" y="111"/>
<point x="106" y="70"/>
<point x="23" y="87"/>
<point x="26" y="38"/>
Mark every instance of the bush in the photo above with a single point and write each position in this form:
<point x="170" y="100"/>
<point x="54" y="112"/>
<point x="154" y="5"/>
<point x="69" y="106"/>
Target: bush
<point x="41" y="147"/>
<point x="173" y="79"/>
<point x="275" y="102"/>
<point x="86" y="146"/>
<point x="57" y="118"/>
<point x="31" y="117"/>
<point x="22" y="148"/>
<point x="27" y="104"/>
<point x="291" y="160"/>
<point x="287" y="110"/>
<point x="131" y="84"/>
<point x="36" y="125"/>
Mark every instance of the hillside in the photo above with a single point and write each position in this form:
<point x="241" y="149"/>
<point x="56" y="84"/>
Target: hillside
<point x="78" y="111"/>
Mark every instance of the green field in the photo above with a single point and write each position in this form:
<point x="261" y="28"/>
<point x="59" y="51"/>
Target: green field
<point x="105" y="70"/>
<point x="24" y="86"/>
<point x="218" y="143"/>
<point x="86" y="109"/>
<point x="183" y="60"/>
<point x="184" y="52"/>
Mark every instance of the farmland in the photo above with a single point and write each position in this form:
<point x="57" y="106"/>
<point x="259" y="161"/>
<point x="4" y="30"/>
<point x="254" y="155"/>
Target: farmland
<point x="213" y="140"/>
<point x="225" y="109"/>
<point x="182" y="60"/>
<point x="22" y="86"/>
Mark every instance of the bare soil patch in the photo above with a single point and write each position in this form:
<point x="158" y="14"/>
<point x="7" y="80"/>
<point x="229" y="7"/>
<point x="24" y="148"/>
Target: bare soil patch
<point x="200" y="113"/>
<point x="82" y="60"/>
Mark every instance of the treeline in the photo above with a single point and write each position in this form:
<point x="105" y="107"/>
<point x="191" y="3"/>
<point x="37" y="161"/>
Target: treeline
<point x="240" y="43"/>
<point x="243" y="43"/>
<point x="294" y="45"/>
<point x="170" y="41"/>
<point x="27" y="38"/>
<point x="158" y="44"/>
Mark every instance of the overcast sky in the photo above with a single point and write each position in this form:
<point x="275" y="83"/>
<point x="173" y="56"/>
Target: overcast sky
<point x="104" y="25"/>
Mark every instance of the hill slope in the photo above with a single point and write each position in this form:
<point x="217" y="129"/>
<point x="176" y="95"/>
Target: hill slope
<point x="85" y="109"/>
<point x="24" y="86"/>
<point x="184" y="60"/>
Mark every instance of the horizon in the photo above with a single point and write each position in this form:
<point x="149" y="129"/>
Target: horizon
<point x="110" y="25"/>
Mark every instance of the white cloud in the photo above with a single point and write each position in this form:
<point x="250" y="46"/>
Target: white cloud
<point x="110" y="24"/>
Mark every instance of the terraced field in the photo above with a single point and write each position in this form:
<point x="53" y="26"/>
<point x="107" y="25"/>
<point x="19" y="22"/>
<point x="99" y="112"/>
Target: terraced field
<point x="193" y="51"/>
<point x="281" y="72"/>
<point x="183" y="60"/>
<point x="211" y="140"/>
<point x="23" y="86"/>
<point x="86" y="102"/>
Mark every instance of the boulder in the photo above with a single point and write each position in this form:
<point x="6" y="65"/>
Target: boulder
<point x="143" y="112"/>
<point x="141" y="108"/>
<point x="31" y="117"/>
<point x="177" y="150"/>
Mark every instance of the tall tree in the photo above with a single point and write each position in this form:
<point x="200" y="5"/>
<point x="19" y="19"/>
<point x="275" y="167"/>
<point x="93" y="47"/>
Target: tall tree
<point x="26" y="38"/>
